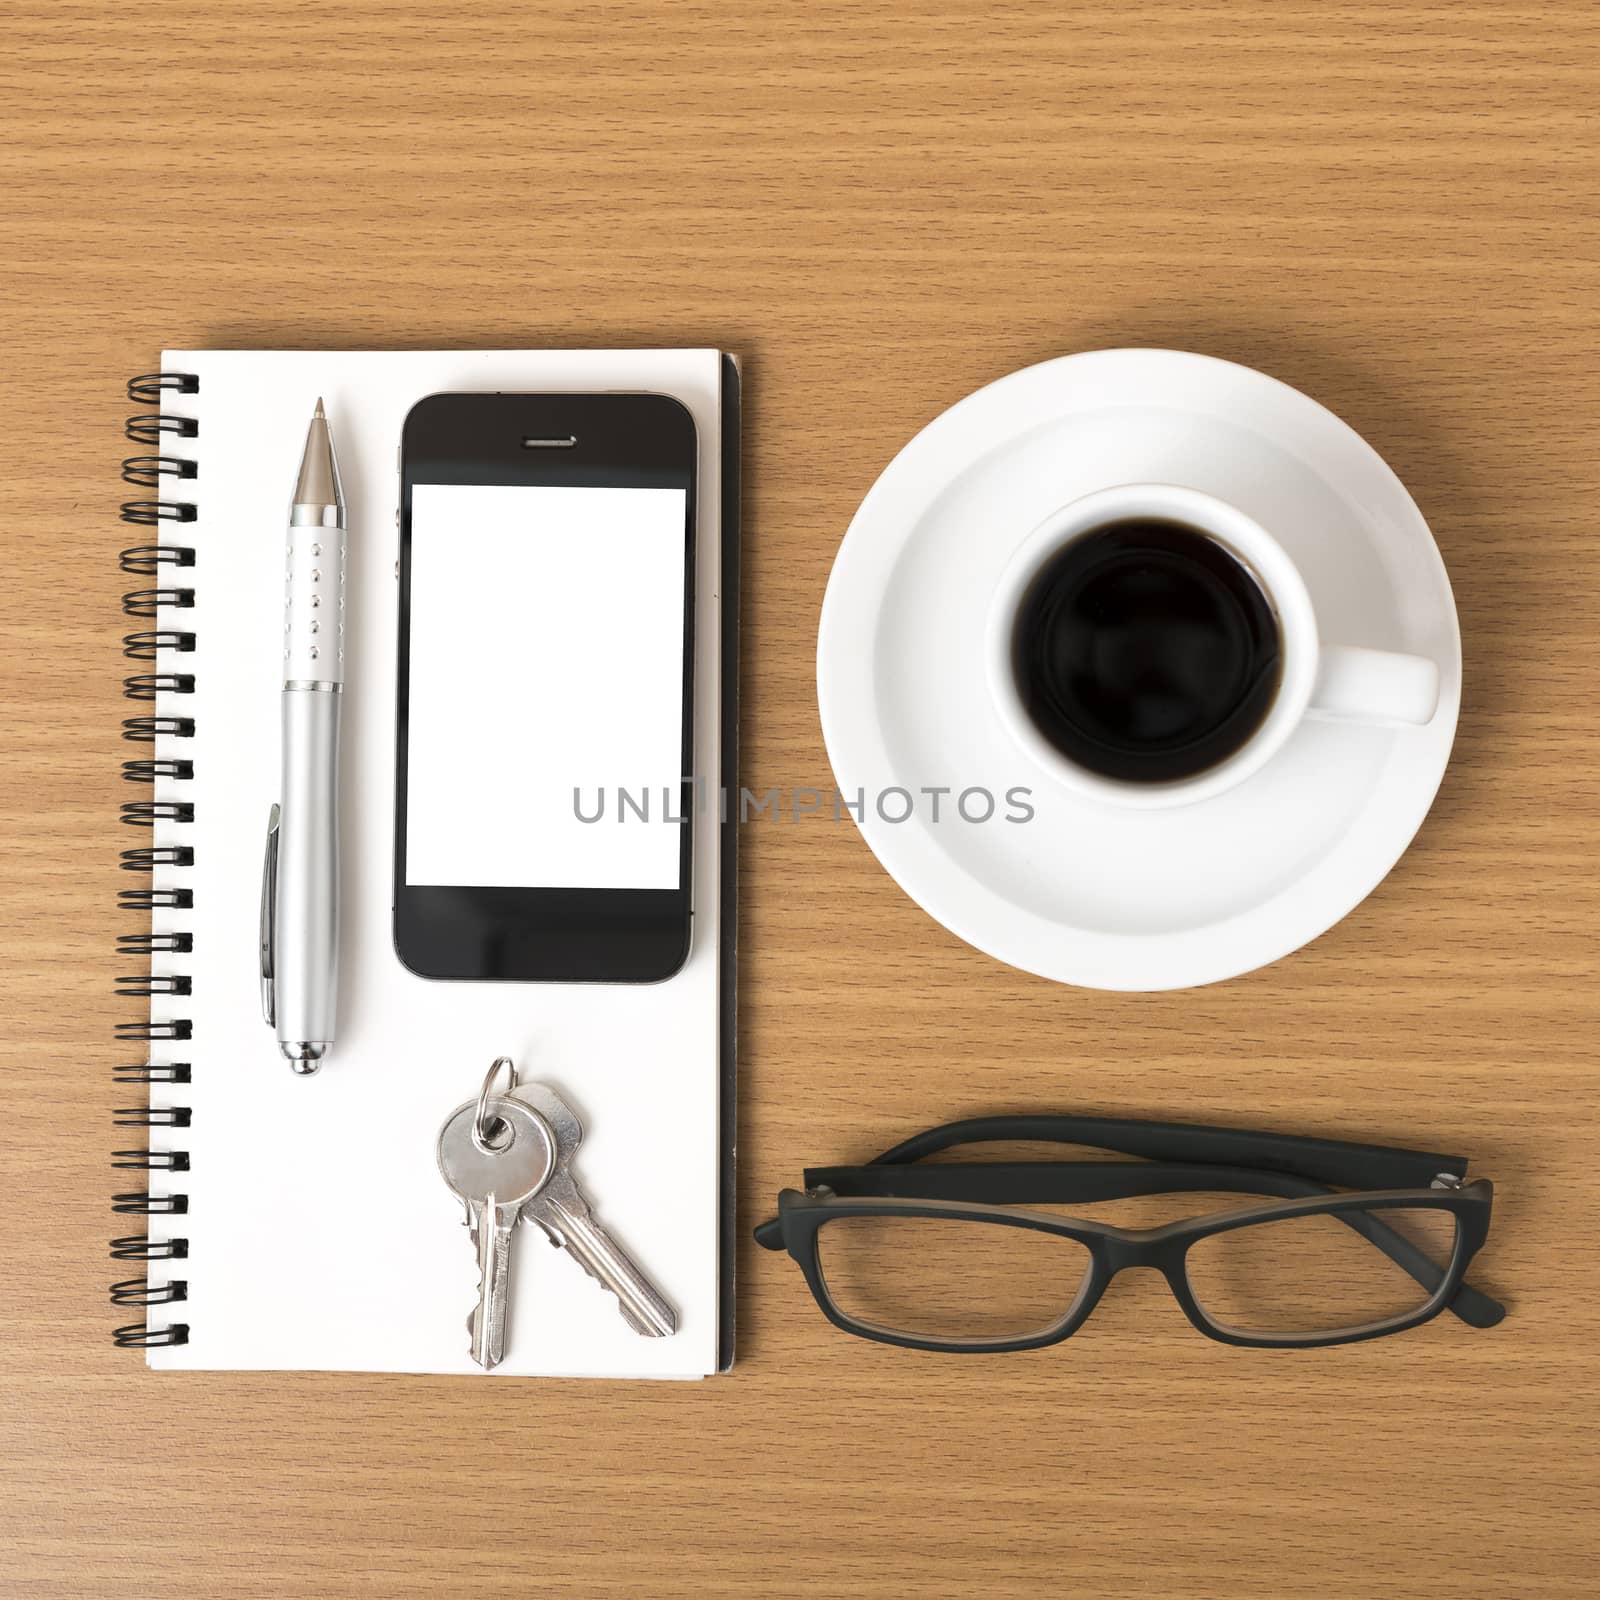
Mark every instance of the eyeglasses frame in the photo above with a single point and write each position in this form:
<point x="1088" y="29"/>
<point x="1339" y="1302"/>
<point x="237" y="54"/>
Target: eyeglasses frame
<point x="991" y="1193"/>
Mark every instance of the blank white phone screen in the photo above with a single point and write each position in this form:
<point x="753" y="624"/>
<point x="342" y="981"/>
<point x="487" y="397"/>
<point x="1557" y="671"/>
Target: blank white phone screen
<point x="546" y="677"/>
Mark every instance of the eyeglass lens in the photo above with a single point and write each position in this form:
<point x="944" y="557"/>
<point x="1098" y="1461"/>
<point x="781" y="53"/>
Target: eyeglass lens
<point x="1321" y="1273"/>
<point x="947" y="1279"/>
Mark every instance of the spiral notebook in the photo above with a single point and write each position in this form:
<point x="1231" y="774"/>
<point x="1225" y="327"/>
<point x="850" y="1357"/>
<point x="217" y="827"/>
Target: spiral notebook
<point x="295" y="1223"/>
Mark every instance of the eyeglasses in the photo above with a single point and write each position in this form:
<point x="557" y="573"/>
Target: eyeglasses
<point x="935" y="1257"/>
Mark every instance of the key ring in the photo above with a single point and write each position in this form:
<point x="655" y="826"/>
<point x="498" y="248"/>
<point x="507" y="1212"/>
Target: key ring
<point x="493" y="1133"/>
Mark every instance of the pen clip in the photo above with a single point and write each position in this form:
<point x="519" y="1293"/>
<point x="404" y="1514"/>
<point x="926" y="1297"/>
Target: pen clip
<point x="269" y="904"/>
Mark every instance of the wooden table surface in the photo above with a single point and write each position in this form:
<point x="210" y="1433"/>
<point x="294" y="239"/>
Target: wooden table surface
<point x="1390" y="205"/>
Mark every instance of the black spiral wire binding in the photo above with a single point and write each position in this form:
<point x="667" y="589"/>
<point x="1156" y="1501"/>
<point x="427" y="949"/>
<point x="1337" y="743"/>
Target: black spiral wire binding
<point x="156" y="899"/>
<point x="152" y="1072"/>
<point x="130" y="1032"/>
<point x="146" y="472"/>
<point x="149" y="512"/>
<point x="152" y="1117"/>
<point x="148" y="388"/>
<point x="140" y="1247"/>
<point x="151" y="1205"/>
<point x="158" y="645"/>
<point x="147" y="857"/>
<point x="149" y="428"/>
<point x="147" y="771"/>
<point x="145" y="944"/>
<point x="147" y="813"/>
<point x="147" y="646"/>
<point x="151" y="1160"/>
<point x="146" y="730"/>
<point x="130" y="988"/>
<point x="147" y="685"/>
<point x="147" y="602"/>
<point x="147" y="558"/>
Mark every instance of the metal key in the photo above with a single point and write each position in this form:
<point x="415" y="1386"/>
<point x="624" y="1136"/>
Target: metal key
<point x="494" y="1153"/>
<point x="562" y="1209"/>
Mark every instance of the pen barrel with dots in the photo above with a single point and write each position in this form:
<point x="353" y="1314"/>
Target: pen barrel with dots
<point x="313" y="611"/>
<point x="305" y="878"/>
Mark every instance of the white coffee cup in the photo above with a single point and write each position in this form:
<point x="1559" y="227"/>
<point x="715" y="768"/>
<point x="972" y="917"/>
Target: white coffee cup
<point x="1316" y="679"/>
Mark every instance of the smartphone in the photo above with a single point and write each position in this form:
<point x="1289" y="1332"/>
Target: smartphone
<point x="545" y="729"/>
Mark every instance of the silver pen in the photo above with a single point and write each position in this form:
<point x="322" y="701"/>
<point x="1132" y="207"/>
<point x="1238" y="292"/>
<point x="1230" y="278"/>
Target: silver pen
<point x="300" y="879"/>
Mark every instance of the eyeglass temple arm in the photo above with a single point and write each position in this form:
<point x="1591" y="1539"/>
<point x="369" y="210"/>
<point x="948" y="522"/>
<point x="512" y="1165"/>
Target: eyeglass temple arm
<point x="1336" y="1161"/>
<point x="1023" y="1183"/>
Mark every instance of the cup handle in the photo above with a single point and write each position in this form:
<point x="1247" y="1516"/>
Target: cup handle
<point x="1360" y="685"/>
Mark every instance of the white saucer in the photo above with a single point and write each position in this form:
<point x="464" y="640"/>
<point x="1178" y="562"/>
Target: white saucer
<point x="1083" y="893"/>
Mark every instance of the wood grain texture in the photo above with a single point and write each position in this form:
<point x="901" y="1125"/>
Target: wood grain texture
<point x="882" y="207"/>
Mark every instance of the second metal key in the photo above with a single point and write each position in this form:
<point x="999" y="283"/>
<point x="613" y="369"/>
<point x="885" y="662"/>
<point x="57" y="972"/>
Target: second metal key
<point x="563" y="1211"/>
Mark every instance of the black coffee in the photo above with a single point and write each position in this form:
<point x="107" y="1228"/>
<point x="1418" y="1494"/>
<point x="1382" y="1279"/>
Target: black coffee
<point x="1144" y="651"/>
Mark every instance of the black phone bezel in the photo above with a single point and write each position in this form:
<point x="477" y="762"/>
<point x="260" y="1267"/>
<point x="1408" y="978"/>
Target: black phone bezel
<point x="529" y="934"/>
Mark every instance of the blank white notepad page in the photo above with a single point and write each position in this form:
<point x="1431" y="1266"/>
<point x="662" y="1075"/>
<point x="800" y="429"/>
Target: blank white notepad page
<point x="320" y="1232"/>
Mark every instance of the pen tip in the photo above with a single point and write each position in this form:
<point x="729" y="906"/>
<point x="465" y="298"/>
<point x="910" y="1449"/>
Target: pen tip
<point x="319" y="412"/>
